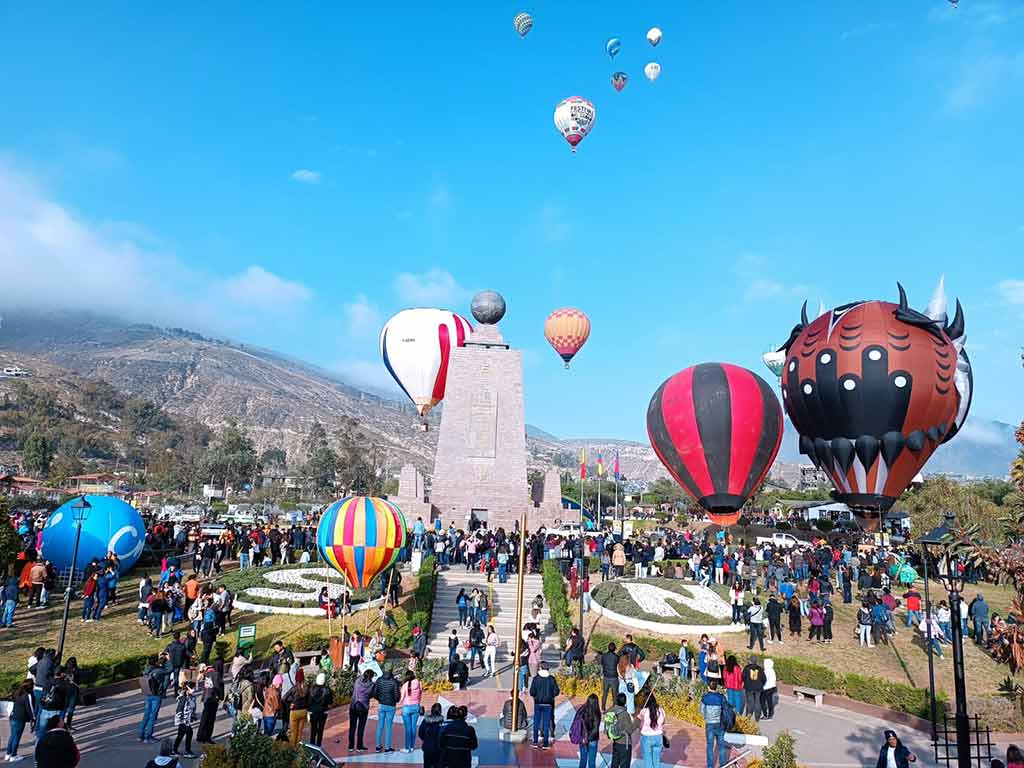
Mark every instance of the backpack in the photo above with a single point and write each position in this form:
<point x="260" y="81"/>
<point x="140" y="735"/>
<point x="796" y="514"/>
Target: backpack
<point x="611" y="725"/>
<point x="576" y="732"/>
<point x="728" y="716"/>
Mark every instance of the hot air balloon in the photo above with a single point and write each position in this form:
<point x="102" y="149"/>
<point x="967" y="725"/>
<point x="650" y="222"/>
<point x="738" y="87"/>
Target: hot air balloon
<point x="415" y="345"/>
<point x="523" y="23"/>
<point x="717" y="429"/>
<point x="774" y="361"/>
<point x="619" y="80"/>
<point x="652" y="71"/>
<point x="613" y="46"/>
<point x="873" y="388"/>
<point x="574" y="118"/>
<point x="654" y="36"/>
<point x="360" y="536"/>
<point x="567" y="330"/>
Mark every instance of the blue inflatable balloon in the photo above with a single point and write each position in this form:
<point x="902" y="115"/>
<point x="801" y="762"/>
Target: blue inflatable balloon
<point x="112" y="526"/>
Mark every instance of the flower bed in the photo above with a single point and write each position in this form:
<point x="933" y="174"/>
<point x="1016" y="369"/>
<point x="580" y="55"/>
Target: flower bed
<point x="290" y="586"/>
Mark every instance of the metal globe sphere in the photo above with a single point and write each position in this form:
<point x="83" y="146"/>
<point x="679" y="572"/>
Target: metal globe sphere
<point x="488" y="307"/>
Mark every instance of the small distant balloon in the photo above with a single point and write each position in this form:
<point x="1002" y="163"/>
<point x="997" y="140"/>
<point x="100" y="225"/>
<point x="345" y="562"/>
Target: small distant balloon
<point x="574" y="118"/>
<point x="652" y="71"/>
<point x="523" y="23"/>
<point x="654" y="36"/>
<point x="954" y="2"/>
<point x="619" y="80"/>
<point x="613" y="46"/>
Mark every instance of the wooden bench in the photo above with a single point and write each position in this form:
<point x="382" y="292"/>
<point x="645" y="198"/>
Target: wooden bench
<point x="308" y="658"/>
<point x="802" y="692"/>
<point x="671" y="667"/>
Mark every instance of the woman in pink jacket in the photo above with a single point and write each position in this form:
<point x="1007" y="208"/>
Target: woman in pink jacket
<point x="409" y="703"/>
<point x="817" y="616"/>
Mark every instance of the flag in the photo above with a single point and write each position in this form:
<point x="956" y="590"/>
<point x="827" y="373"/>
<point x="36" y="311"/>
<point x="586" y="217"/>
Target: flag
<point x="615" y="467"/>
<point x="600" y="465"/>
<point x="583" y="463"/>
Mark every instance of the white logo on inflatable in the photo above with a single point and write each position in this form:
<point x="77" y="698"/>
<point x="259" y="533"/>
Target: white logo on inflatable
<point x="55" y="518"/>
<point x="128" y="530"/>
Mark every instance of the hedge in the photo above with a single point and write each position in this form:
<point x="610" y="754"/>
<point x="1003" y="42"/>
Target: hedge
<point x="554" y="594"/>
<point x="422" y="605"/>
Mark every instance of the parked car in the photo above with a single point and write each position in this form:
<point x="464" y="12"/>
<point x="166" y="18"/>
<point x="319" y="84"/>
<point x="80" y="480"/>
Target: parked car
<point x="784" y="540"/>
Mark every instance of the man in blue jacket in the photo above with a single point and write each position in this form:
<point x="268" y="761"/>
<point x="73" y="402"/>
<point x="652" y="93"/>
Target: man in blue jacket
<point x="711" y="705"/>
<point x="979" y="615"/>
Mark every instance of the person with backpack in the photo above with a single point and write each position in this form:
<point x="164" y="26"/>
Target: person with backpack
<point x="618" y="727"/>
<point x="154" y="685"/>
<point x="717" y="713"/>
<point x="544" y="690"/>
<point x="184" y="717"/>
<point x="23" y="713"/>
<point x="652" y="732"/>
<point x="430" y="737"/>
<point x="297" y="700"/>
<point x="586" y="730"/>
<point x="753" y="685"/>
<point x="177" y="655"/>
<point x="633" y="652"/>
<point x="609" y="661"/>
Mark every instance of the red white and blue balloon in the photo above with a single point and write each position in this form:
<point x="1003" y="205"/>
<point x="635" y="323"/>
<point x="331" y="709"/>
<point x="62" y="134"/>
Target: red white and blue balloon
<point x="574" y="119"/>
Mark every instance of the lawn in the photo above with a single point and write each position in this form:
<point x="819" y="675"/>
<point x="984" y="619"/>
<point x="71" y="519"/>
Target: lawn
<point x="118" y="638"/>
<point x="904" y="660"/>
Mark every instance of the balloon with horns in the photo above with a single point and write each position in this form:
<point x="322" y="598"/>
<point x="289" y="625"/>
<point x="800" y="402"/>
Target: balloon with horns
<point x="873" y="388"/>
<point x="717" y="429"/>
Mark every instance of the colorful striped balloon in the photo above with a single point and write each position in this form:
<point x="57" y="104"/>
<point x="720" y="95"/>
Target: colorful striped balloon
<point x="360" y="536"/>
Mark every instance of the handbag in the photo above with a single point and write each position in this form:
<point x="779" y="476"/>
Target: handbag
<point x="665" y="742"/>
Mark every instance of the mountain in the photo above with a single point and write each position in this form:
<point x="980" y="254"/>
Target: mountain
<point x="277" y="398"/>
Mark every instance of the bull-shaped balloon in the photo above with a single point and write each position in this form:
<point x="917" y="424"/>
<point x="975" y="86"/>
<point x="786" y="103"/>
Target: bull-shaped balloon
<point x="874" y="388"/>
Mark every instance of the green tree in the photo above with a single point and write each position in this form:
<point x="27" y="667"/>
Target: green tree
<point x="360" y="465"/>
<point x="927" y="504"/>
<point x="37" y="453"/>
<point x="231" y="460"/>
<point x="274" y="457"/>
<point x="9" y="543"/>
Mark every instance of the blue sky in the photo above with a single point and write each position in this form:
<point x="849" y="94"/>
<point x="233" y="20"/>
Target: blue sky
<point x="291" y="176"/>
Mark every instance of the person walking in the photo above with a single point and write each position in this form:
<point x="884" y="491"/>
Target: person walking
<point x="320" y="699"/>
<point x="184" y="717"/>
<point x="586" y="730"/>
<point x="770" y="690"/>
<point x="23" y="712"/>
<point x="618" y="727"/>
<point x="712" y="704"/>
<point x="154" y="684"/>
<point x="359" y="711"/>
<point x="609" y="661"/>
<point x="409" y="701"/>
<point x="893" y="754"/>
<point x="386" y="692"/>
<point x="753" y="685"/>
<point x="430" y="737"/>
<point x="297" y="700"/>
<point x="490" y="651"/>
<point x="652" y="732"/>
<point x="458" y="740"/>
<point x="544" y="690"/>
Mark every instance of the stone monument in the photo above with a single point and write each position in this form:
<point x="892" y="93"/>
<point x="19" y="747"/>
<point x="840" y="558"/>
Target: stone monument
<point x="480" y="464"/>
<point x="549" y="506"/>
<point x="411" y="496"/>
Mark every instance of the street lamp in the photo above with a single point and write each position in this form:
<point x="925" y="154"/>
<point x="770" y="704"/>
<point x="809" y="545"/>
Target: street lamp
<point x="80" y="513"/>
<point x="953" y="582"/>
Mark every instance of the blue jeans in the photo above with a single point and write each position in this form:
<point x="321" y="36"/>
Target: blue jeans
<point x="542" y="715"/>
<point x="475" y="653"/>
<point x="417" y="541"/>
<point x="17" y="728"/>
<point x="87" y="603"/>
<point x="913" y="618"/>
<point x="8" y="618"/>
<point x="588" y="754"/>
<point x="523" y="672"/>
<point x="101" y="603"/>
<point x="502" y="573"/>
<point x="735" y="698"/>
<point x="650" y="750"/>
<point x="385" y="718"/>
<point x="947" y="630"/>
<point x="149" y="715"/>
<point x="715" y="732"/>
<point x="41" y="720"/>
<point x="243" y="560"/>
<point x="463" y="615"/>
<point x="410" y="714"/>
<point x="269" y="724"/>
<point x="981" y="628"/>
<point x="936" y="648"/>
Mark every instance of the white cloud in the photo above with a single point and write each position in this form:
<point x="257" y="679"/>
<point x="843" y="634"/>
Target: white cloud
<point x="752" y="270"/>
<point x="982" y="433"/>
<point x="257" y="287"/>
<point x="363" y="318"/>
<point x="981" y="76"/>
<point x="438" y="286"/>
<point x="764" y="288"/>
<point x="306" y="176"/>
<point x="1012" y="291"/>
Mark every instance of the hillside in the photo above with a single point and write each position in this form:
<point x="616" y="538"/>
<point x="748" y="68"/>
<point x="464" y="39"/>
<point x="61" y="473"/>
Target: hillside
<point x="277" y="398"/>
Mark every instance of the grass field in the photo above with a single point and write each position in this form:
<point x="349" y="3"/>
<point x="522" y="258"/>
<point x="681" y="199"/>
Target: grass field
<point x="904" y="660"/>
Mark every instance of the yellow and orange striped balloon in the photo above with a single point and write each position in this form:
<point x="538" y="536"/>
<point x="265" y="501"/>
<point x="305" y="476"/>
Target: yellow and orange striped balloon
<point x="360" y="536"/>
<point x="567" y="330"/>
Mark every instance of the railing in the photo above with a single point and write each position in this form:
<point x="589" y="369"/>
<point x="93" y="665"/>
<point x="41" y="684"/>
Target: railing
<point x="945" y="744"/>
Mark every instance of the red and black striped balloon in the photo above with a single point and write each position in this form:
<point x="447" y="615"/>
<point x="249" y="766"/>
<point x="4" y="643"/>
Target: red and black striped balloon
<point x="717" y="429"/>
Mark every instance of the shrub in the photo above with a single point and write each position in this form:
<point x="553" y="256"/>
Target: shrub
<point x="803" y="525"/>
<point x="781" y="754"/>
<point x="783" y="526"/>
<point x="248" y="748"/>
<point x="423" y="606"/>
<point x="554" y="594"/>
<point x="824" y="525"/>
<point x="798" y="672"/>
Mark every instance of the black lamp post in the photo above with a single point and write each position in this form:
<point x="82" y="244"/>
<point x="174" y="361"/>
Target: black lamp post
<point x="80" y="512"/>
<point x="953" y="582"/>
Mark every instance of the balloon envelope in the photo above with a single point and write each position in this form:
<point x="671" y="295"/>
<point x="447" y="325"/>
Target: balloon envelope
<point x="717" y="429"/>
<point x="619" y="80"/>
<point x="360" y="536"/>
<point x="873" y="388"/>
<point x="111" y="526"/>
<point x="613" y="46"/>
<point x="523" y="23"/>
<point x="415" y="346"/>
<point x="567" y="330"/>
<point x="574" y="119"/>
<point x="652" y="71"/>
<point x="654" y="36"/>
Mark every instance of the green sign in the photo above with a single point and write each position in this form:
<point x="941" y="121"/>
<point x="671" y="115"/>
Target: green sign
<point x="246" y="636"/>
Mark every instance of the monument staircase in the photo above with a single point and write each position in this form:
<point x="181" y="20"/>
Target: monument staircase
<point x="502" y="614"/>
